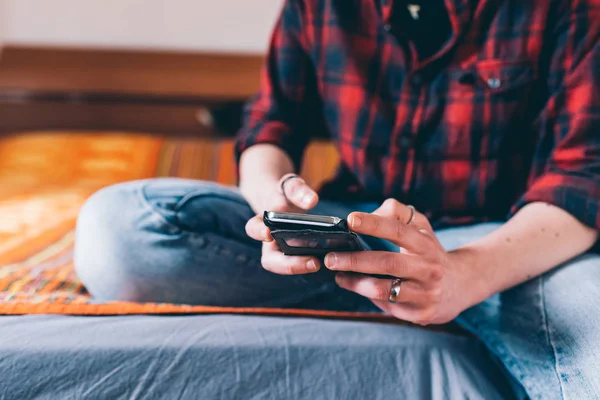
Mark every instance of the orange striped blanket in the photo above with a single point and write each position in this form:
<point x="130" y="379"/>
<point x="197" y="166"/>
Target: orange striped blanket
<point x="46" y="176"/>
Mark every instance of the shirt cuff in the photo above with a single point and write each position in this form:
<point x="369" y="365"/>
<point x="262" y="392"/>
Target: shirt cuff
<point x="274" y="133"/>
<point x="579" y="196"/>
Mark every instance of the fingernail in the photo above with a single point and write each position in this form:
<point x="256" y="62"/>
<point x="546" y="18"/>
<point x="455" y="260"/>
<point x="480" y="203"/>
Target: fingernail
<point x="312" y="265"/>
<point x="355" y="221"/>
<point x="330" y="260"/>
<point x="308" y="199"/>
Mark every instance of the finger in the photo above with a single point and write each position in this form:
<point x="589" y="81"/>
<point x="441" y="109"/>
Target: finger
<point x="405" y="312"/>
<point x="297" y="242"/>
<point x="298" y="193"/>
<point x="379" y="289"/>
<point x="394" y="209"/>
<point x="257" y="230"/>
<point x="275" y="261"/>
<point x="378" y="263"/>
<point x="390" y="229"/>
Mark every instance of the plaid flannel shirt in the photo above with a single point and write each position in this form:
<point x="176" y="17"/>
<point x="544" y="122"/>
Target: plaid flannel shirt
<point x="506" y="113"/>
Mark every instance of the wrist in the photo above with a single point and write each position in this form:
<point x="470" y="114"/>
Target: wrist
<point x="469" y="262"/>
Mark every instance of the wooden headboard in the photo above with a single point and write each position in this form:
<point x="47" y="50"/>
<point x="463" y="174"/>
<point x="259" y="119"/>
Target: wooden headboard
<point x="155" y="92"/>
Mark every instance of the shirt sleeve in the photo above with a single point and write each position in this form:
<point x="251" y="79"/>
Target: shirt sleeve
<point x="287" y="111"/>
<point x="566" y="165"/>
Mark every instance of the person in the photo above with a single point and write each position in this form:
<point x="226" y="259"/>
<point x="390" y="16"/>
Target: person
<point x="482" y="115"/>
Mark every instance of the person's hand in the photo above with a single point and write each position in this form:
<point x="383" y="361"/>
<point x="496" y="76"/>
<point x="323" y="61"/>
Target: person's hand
<point x="435" y="286"/>
<point x="298" y="197"/>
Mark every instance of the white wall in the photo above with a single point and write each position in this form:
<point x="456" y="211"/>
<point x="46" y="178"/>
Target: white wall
<point x="204" y="25"/>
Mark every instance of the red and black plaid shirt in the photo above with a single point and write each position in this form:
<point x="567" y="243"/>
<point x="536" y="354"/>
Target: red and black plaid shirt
<point x="507" y="113"/>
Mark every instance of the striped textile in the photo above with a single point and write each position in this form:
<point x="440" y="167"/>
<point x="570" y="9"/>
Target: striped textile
<point x="45" y="177"/>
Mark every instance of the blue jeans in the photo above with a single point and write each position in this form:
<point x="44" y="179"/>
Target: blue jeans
<point x="182" y="241"/>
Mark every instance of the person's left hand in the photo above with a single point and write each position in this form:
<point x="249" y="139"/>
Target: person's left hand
<point x="436" y="285"/>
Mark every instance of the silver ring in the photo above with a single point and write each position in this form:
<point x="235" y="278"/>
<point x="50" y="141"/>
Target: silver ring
<point x="284" y="181"/>
<point x="413" y="215"/>
<point x="395" y="291"/>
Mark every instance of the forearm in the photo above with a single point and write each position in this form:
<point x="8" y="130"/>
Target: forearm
<point x="261" y="167"/>
<point x="537" y="239"/>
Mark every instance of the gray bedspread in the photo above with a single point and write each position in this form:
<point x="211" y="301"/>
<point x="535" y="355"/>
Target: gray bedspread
<point x="238" y="357"/>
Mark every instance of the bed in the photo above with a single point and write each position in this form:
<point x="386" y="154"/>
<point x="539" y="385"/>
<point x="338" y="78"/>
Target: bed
<point x="236" y="357"/>
<point x="60" y="344"/>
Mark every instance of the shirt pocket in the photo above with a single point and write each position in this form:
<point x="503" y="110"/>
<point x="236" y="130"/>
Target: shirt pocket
<point x="487" y="108"/>
<point x="500" y="77"/>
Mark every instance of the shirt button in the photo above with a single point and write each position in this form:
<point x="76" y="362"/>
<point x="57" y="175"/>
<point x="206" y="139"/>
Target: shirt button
<point x="387" y="27"/>
<point x="494" y="83"/>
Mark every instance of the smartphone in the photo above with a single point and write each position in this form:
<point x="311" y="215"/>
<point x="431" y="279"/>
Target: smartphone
<point x="311" y="235"/>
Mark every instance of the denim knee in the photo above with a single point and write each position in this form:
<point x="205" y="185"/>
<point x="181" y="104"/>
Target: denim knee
<point x="105" y="235"/>
<point x="144" y="241"/>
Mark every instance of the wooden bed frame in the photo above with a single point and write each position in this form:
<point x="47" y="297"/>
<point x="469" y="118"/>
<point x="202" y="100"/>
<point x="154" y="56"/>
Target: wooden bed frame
<point x="155" y="92"/>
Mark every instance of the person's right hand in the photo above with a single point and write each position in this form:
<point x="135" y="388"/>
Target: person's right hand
<point x="298" y="197"/>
